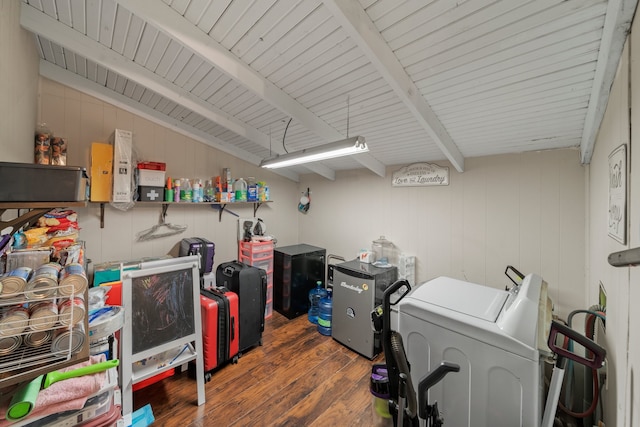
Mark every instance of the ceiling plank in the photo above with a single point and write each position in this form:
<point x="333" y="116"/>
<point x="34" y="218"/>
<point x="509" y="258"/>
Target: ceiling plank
<point x="359" y="26"/>
<point x="49" y="28"/>
<point x="62" y="76"/>
<point x="614" y="35"/>
<point x="63" y="35"/>
<point x="167" y="20"/>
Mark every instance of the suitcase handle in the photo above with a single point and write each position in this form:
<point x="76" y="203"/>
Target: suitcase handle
<point x="263" y="300"/>
<point x="228" y="271"/>
<point x="233" y="328"/>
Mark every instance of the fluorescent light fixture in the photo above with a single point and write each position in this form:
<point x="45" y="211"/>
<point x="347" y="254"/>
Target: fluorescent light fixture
<point x="345" y="147"/>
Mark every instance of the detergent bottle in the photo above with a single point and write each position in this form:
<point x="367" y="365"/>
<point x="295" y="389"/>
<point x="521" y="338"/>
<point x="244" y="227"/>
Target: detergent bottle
<point x="315" y="295"/>
<point x="240" y="190"/>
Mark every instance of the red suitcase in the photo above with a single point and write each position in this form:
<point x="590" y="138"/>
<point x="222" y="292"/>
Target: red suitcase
<point x="220" y="327"/>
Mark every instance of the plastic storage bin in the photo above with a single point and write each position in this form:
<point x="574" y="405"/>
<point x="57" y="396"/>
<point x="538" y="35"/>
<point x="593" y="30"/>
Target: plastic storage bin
<point x="255" y="250"/>
<point x="260" y="254"/>
<point x="265" y="264"/>
<point x="42" y="183"/>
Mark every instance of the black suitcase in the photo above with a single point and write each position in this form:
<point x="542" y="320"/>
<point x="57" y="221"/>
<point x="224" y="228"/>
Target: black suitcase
<point x="250" y="284"/>
<point x="199" y="246"/>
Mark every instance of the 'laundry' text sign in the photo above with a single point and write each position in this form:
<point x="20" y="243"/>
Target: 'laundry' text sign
<point x="421" y="174"/>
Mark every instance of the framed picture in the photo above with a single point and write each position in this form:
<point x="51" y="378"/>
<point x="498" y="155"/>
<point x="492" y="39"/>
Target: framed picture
<point x="617" y="217"/>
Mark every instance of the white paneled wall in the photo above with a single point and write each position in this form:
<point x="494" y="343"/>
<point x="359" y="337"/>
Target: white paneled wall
<point x="526" y="210"/>
<point x="18" y="86"/>
<point x="631" y="404"/>
<point x="613" y="132"/>
<point x="83" y="119"/>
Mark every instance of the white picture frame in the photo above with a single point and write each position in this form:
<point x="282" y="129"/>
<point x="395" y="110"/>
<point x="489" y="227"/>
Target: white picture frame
<point x="617" y="209"/>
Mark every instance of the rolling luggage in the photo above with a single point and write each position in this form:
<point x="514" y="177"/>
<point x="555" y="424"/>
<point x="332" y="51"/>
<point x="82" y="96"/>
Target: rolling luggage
<point x="220" y="328"/>
<point x="250" y="283"/>
<point x="199" y="246"/>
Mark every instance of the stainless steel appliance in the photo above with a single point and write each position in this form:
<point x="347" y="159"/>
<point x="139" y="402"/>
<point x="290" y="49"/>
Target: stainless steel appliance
<point x="357" y="289"/>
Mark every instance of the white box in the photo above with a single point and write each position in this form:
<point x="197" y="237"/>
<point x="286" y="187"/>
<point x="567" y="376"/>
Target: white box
<point x="122" y="168"/>
<point x="407" y="268"/>
<point x="151" y="178"/>
<point x="367" y="256"/>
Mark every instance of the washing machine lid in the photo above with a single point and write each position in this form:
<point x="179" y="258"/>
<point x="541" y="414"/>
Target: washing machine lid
<point x="516" y="321"/>
<point x="479" y="301"/>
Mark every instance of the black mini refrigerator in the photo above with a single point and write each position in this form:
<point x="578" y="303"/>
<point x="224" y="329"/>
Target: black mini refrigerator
<point x="358" y="288"/>
<point x="296" y="270"/>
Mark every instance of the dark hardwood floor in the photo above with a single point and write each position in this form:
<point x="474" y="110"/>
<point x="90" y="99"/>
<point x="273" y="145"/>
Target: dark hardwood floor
<point x="298" y="377"/>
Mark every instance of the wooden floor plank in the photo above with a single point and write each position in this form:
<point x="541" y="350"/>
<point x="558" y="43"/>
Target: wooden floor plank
<point x="298" y="377"/>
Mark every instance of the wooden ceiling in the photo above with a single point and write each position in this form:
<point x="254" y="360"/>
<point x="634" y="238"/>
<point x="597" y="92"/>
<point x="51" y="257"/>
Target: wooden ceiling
<point x="422" y="81"/>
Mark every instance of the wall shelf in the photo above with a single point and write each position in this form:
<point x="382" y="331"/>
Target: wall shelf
<point x="220" y="206"/>
<point x="36" y="210"/>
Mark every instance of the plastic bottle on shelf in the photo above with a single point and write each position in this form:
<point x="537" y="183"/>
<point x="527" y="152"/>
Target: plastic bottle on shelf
<point x="176" y="190"/>
<point x="186" y="194"/>
<point x="201" y="190"/>
<point x="240" y="190"/>
<point x="261" y="193"/>
<point x="325" y="309"/>
<point x="315" y="295"/>
<point x="252" y="190"/>
<point x="209" y="193"/>
<point x="197" y="190"/>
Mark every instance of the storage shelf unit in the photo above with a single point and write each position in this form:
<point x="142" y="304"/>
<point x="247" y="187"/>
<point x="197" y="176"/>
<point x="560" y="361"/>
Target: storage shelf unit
<point x="260" y="254"/>
<point x="30" y="360"/>
<point x="36" y="210"/>
<point x="25" y="363"/>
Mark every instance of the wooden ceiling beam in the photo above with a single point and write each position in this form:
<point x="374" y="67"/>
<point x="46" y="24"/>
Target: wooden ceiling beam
<point x="357" y="24"/>
<point x="614" y="35"/>
<point x="165" y="19"/>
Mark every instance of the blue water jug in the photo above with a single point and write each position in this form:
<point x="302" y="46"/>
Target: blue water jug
<point x="325" y="313"/>
<point x="315" y="295"/>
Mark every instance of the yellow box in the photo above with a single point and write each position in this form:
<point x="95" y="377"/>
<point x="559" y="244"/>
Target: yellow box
<point x="101" y="171"/>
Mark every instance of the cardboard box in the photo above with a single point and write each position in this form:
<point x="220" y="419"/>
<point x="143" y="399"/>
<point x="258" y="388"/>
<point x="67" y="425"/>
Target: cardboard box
<point x="150" y="193"/>
<point x="156" y="166"/>
<point x="101" y="171"/>
<point x="152" y="178"/>
<point x="25" y="182"/>
<point x="122" y="167"/>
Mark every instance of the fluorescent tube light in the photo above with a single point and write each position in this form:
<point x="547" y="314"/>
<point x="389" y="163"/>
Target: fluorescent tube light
<point x="345" y="147"/>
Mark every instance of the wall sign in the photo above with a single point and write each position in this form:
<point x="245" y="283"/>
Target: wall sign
<point x="618" y="194"/>
<point x="420" y="174"/>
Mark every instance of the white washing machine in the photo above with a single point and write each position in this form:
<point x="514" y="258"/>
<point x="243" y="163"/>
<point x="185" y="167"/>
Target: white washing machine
<point x="499" y="339"/>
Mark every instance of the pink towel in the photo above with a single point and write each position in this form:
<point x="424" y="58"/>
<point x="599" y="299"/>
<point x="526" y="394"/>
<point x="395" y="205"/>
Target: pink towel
<point x="62" y="396"/>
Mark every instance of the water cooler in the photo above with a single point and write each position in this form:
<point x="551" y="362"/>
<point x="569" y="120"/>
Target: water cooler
<point x="357" y="289"/>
